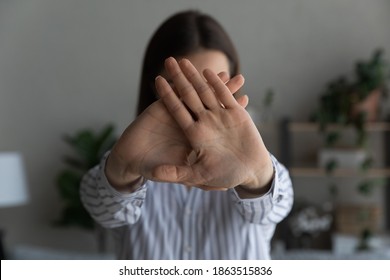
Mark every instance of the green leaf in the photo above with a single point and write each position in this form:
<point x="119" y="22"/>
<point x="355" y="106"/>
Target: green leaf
<point x="69" y="184"/>
<point x="76" y="216"/>
<point x="75" y="163"/>
<point x="332" y="138"/>
<point x="330" y="166"/>
<point x="366" y="187"/>
<point x="367" y="164"/>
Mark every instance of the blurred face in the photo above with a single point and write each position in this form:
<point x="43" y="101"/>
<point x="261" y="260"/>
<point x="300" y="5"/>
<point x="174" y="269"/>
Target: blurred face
<point x="206" y="59"/>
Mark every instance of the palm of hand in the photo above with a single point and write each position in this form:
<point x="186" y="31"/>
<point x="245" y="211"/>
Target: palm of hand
<point x="215" y="125"/>
<point x="223" y="157"/>
<point x="153" y="139"/>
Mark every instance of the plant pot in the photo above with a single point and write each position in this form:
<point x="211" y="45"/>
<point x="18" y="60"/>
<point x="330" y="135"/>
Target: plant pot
<point x="369" y="106"/>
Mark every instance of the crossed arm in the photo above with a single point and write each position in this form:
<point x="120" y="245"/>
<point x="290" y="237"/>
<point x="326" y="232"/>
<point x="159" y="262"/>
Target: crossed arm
<point x="197" y="134"/>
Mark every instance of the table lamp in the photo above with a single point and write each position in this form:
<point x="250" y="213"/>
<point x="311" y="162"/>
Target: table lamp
<point x="13" y="184"/>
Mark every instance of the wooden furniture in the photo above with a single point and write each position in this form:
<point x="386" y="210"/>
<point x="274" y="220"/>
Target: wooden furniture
<point x="289" y="130"/>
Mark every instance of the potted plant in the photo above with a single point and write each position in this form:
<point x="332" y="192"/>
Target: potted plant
<point x="352" y="103"/>
<point x="371" y="84"/>
<point x="88" y="147"/>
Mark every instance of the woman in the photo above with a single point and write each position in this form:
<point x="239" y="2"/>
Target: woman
<point x="190" y="178"/>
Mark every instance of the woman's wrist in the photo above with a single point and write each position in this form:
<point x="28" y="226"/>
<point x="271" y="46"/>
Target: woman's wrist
<point x="250" y="192"/>
<point x="119" y="178"/>
<point x="260" y="185"/>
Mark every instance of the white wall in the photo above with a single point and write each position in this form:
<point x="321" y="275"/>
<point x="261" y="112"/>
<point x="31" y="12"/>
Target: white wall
<point x="66" y="65"/>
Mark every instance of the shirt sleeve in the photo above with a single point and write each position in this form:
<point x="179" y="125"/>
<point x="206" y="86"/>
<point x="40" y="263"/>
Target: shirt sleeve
<point x="273" y="206"/>
<point x="105" y="204"/>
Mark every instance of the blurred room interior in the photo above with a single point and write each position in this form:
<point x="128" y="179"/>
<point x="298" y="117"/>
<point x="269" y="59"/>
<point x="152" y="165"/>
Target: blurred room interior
<point x="69" y="74"/>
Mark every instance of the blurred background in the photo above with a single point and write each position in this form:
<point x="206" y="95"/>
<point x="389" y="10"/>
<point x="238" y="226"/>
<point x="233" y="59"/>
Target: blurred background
<point x="71" y="68"/>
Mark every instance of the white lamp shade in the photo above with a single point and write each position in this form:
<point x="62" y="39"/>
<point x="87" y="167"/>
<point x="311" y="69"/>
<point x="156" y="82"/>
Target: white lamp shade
<point x="13" y="183"/>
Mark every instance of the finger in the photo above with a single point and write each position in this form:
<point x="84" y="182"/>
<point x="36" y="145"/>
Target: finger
<point x="174" y="105"/>
<point x="183" y="86"/>
<point x="222" y="92"/>
<point x="224" y="76"/>
<point x="200" y="85"/>
<point x="235" y="83"/>
<point x="243" y="101"/>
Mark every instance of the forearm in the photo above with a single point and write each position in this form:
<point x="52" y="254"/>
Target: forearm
<point x="105" y="204"/>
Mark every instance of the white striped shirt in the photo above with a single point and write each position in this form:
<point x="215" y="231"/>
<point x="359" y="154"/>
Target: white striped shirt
<point x="168" y="221"/>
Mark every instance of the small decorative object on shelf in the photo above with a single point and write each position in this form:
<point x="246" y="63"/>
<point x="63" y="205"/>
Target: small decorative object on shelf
<point x="310" y="226"/>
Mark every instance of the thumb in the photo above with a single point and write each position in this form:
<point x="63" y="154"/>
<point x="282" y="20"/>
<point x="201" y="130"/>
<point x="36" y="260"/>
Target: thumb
<point x="173" y="173"/>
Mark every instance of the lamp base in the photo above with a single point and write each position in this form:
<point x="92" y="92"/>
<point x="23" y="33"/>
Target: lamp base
<point x="2" y="251"/>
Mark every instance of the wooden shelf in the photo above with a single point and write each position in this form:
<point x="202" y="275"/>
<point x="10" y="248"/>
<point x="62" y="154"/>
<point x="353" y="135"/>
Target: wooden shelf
<point x="301" y="163"/>
<point x="311" y="126"/>
<point x="340" y="172"/>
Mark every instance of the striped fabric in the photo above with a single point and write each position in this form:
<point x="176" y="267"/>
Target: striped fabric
<point x="168" y="221"/>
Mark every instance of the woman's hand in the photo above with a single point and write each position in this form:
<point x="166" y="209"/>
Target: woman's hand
<point x="154" y="139"/>
<point x="223" y="146"/>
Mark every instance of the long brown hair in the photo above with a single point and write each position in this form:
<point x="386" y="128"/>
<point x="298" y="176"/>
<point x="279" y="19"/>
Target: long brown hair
<point x="181" y="34"/>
